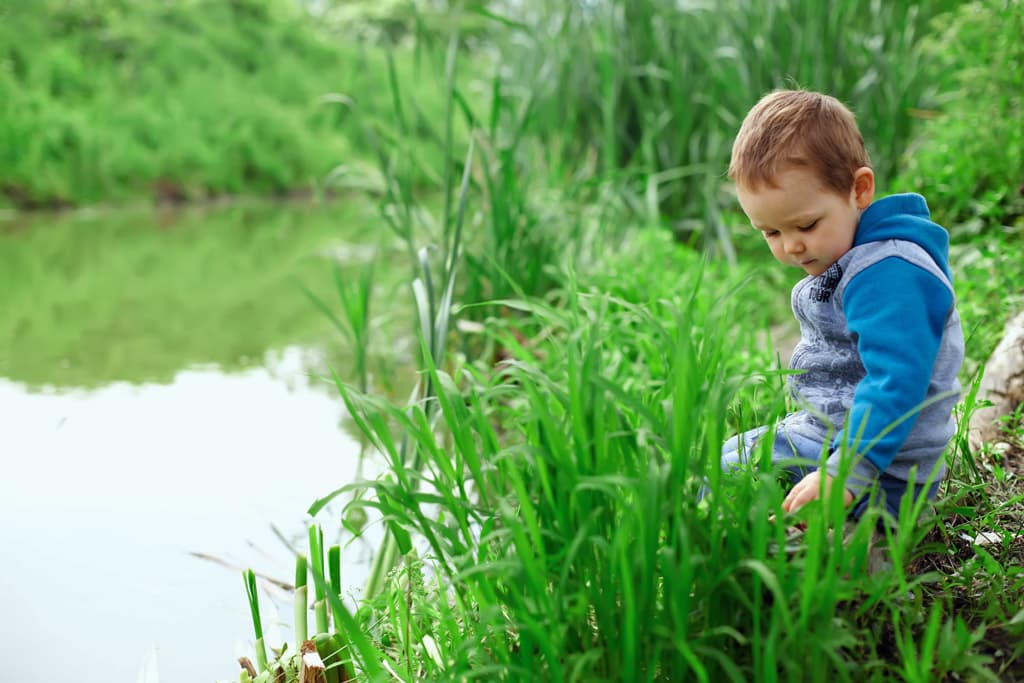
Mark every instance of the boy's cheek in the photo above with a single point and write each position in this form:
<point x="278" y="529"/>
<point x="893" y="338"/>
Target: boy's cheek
<point x="780" y="257"/>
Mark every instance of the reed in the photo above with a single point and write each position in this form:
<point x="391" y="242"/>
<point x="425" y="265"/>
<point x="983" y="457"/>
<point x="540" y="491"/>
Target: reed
<point x="654" y="90"/>
<point x="257" y="622"/>
<point x="301" y="601"/>
<point x="316" y="557"/>
<point x="355" y="322"/>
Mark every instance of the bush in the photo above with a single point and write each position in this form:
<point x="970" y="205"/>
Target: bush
<point x="110" y="100"/>
<point x="969" y="160"/>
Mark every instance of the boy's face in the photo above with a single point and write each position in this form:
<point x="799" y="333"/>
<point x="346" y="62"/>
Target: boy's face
<point x="805" y="224"/>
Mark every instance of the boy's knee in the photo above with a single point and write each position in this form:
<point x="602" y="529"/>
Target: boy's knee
<point x="731" y="446"/>
<point x="730" y="460"/>
<point x="736" y="450"/>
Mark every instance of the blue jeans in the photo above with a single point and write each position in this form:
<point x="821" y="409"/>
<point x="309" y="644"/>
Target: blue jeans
<point x="797" y="454"/>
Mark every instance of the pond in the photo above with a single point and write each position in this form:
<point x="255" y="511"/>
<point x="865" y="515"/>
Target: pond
<point x="165" y="424"/>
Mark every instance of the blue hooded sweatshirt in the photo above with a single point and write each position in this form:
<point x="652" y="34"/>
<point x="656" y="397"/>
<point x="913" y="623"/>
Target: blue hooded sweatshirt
<point x="881" y="347"/>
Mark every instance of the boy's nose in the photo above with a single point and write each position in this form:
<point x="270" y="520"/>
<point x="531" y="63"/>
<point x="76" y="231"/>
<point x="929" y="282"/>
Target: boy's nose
<point x="794" y="246"/>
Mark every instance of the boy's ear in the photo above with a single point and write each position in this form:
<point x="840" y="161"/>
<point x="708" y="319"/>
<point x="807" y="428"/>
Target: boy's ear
<point x="863" y="187"/>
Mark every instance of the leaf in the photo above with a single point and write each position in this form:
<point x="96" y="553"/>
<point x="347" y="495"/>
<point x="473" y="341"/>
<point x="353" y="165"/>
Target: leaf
<point x="320" y="503"/>
<point x="402" y="537"/>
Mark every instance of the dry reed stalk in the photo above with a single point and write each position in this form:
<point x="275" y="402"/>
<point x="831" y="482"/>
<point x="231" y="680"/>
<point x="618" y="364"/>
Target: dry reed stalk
<point x="312" y="669"/>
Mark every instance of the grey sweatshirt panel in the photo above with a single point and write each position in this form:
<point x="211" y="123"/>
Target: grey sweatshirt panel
<point x="828" y="354"/>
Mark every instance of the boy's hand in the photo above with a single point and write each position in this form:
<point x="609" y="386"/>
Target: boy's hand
<point x="807" y="490"/>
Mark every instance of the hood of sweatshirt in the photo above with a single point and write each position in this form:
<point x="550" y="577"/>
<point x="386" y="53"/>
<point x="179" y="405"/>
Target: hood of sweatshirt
<point x="905" y="217"/>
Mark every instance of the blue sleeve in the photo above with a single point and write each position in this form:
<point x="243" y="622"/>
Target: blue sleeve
<point x="898" y="313"/>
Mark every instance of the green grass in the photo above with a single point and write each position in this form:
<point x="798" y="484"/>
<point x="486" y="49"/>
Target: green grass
<point x="655" y="90"/>
<point x="629" y="109"/>
<point x="569" y="545"/>
<point x="544" y="512"/>
<point x="989" y="272"/>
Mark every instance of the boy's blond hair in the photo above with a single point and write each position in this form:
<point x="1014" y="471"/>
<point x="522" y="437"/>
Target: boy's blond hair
<point x="798" y="128"/>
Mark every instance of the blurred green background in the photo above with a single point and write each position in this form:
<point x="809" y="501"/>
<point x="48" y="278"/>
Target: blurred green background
<point x="314" y="125"/>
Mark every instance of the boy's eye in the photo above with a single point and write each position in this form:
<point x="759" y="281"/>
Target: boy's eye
<point x="808" y="228"/>
<point x="771" y="233"/>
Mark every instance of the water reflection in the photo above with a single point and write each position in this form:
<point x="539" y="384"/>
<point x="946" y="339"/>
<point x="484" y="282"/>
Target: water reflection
<point x="105" y="492"/>
<point x="92" y="298"/>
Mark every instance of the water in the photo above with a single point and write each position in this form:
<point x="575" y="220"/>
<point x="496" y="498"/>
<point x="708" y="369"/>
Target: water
<point x="158" y="398"/>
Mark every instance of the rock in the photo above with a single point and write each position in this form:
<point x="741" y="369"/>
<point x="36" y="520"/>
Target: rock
<point x="983" y="538"/>
<point x="1002" y="384"/>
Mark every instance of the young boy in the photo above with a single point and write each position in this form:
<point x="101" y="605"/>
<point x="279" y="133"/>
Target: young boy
<point x="881" y="343"/>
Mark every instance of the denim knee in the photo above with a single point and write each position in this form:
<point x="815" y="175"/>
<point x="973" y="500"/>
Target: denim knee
<point x="736" y="450"/>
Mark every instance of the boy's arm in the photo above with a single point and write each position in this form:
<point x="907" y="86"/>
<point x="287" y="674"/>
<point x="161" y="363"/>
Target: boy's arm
<point x="898" y="312"/>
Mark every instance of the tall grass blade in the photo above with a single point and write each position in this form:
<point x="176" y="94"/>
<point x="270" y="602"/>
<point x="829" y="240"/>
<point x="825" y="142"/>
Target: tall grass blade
<point x="300" y="612"/>
<point x="257" y="623"/>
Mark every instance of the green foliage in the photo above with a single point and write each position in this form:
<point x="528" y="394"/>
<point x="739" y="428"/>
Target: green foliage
<point x="552" y="497"/>
<point x="393" y="21"/>
<point x="189" y="99"/>
<point x="108" y="100"/>
<point x="569" y="545"/>
<point x="659" y="87"/>
<point x="988" y="272"/>
<point x="529" y="227"/>
<point x="519" y="228"/>
<point x="969" y="160"/>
